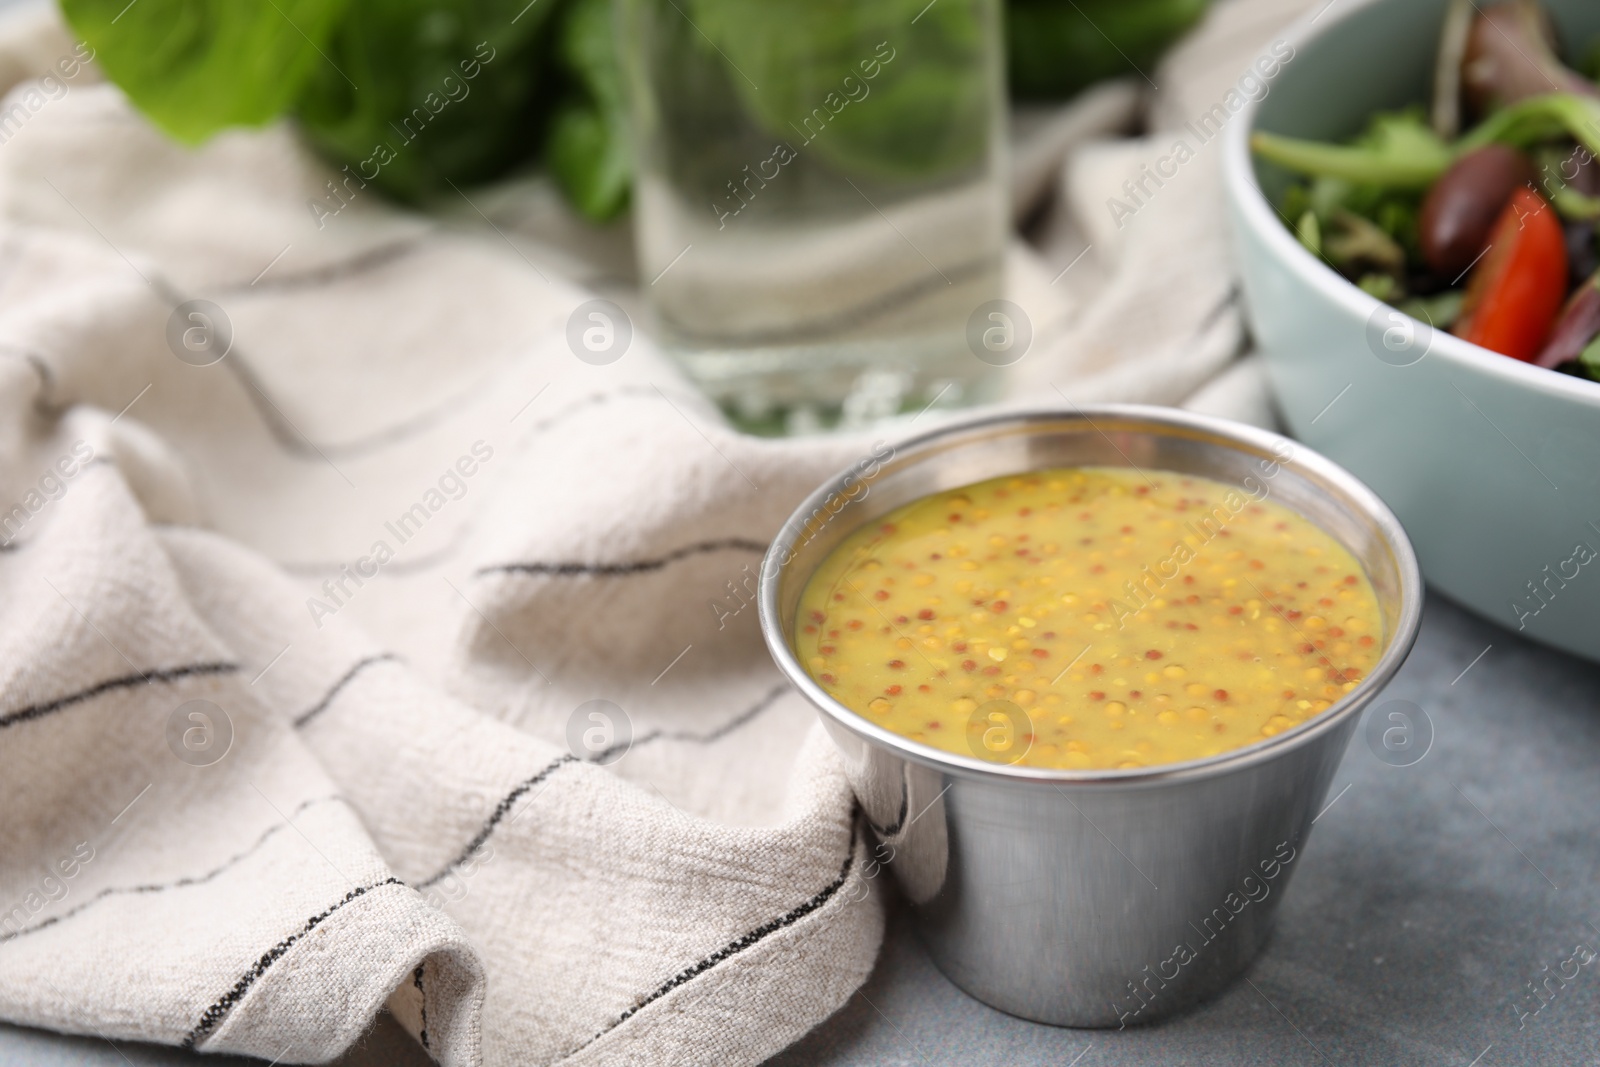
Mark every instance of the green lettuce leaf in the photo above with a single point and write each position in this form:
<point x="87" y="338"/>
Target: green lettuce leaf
<point x="1398" y="149"/>
<point x="1539" y="118"/>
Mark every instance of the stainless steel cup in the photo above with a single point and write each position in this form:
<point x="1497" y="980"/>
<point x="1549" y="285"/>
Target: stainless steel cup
<point x="1099" y="897"/>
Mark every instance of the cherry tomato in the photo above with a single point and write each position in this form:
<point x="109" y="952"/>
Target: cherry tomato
<point x="1517" y="287"/>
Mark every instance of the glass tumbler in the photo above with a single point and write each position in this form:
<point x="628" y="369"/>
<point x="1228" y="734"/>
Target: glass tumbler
<point x="820" y="205"/>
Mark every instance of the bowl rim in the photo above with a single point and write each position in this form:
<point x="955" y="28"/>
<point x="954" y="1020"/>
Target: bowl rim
<point x="1234" y="434"/>
<point x="1254" y="210"/>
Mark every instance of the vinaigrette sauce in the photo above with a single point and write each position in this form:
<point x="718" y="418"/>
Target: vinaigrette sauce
<point x="1090" y="618"/>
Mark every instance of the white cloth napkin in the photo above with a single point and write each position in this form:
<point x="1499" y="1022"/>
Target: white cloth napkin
<point x="295" y="647"/>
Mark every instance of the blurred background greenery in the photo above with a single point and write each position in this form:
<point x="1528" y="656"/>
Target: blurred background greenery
<point x="466" y="91"/>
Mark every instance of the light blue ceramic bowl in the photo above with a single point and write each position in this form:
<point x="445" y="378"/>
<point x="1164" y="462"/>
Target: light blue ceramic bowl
<point x="1493" y="465"/>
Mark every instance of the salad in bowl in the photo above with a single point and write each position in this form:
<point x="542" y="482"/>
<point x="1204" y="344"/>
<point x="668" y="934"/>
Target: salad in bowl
<point x="1476" y="213"/>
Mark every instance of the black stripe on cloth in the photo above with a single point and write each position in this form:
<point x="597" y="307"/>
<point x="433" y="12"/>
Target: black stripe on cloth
<point x="169" y="674"/>
<point x="422" y="1004"/>
<point x="218" y="1011"/>
<point x="700" y="739"/>
<point x="740" y="944"/>
<point x="727" y="544"/>
<point x="181" y="883"/>
<point x="293" y="442"/>
<point x="501" y="810"/>
<point x="289" y="437"/>
<point x="296" y="444"/>
<point x="317" y="277"/>
<point x="592" y="400"/>
<point x="349" y="675"/>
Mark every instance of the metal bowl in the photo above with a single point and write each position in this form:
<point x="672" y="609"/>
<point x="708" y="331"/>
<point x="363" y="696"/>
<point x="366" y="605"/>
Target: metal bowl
<point x="1494" y="464"/>
<point x="1094" y="897"/>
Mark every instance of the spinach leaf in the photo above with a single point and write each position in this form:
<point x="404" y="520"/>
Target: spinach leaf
<point x="1057" y="47"/>
<point x="588" y="150"/>
<point x="196" y="66"/>
<point x="451" y="88"/>
<point x="892" y="89"/>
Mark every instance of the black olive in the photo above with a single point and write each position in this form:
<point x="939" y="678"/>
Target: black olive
<point x="1462" y="205"/>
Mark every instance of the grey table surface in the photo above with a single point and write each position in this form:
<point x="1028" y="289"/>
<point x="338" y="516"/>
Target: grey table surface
<point x="1431" y="896"/>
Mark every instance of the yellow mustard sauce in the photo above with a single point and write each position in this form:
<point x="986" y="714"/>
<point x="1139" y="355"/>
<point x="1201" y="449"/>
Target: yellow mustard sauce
<point x="1090" y="618"/>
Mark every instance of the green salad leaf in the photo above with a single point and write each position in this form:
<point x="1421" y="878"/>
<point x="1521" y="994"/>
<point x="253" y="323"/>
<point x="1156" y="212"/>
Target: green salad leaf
<point x="1357" y="240"/>
<point x="1539" y="118"/>
<point x="1338" y="206"/>
<point x="1589" y="359"/>
<point x="1382" y="286"/>
<point x="1398" y="149"/>
<point x="1309" y="230"/>
<point x="197" y="66"/>
<point x="1440" y="310"/>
